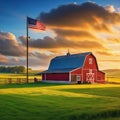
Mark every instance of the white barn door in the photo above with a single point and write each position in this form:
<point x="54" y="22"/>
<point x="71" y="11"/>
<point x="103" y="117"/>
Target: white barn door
<point x="90" y="76"/>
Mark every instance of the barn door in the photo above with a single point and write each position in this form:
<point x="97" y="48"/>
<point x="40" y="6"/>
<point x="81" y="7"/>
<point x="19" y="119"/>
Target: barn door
<point x="78" y="79"/>
<point x="90" y="76"/>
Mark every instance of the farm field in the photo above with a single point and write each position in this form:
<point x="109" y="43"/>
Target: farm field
<point x="4" y="77"/>
<point x="46" y="101"/>
<point x="112" y="75"/>
<point x="8" y="75"/>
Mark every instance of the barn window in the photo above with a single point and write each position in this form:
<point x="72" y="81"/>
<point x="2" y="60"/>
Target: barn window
<point x="90" y="60"/>
<point x="78" y="78"/>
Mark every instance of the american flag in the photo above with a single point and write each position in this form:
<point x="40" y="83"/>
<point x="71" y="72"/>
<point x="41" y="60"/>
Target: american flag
<point x="35" y="24"/>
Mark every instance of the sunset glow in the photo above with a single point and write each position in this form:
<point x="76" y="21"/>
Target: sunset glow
<point x="77" y="26"/>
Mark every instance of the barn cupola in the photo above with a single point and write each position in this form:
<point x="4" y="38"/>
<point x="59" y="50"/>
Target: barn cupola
<point x="68" y="53"/>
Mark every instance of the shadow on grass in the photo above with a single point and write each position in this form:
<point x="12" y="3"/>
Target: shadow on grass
<point x="98" y="116"/>
<point x="29" y="85"/>
<point x="53" y="108"/>
<point x="110" y="91"/>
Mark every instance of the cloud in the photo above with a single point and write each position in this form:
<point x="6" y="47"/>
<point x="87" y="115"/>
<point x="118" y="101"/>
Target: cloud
<point x="82" y="27"/>
<point x="41" y="55"/>
<point x="48" y="42"/>
<point x="35" y="59"/>
<point x="118" y="61"/>
<point x="74" y="33"/>
<point x="110" y="8"/>
<point x="104" y="53"/>
<point x="59" y="42"/>
<point x="3" y="59"/>
<point x="41" y="59"/>
<point x="72" y="15"/>
<point x="9" y="45"/>
<point x="81" y="23"/>
<point x="114" y="39"/>
<point x="118" y="9"/>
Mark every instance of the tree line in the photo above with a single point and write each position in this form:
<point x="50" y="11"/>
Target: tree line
<point x="16" y="69"/>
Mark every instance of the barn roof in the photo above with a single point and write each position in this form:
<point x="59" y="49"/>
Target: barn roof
<point x="66" y="63"/>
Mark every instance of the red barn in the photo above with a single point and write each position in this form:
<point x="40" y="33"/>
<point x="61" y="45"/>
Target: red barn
<point x="75" y="68"/>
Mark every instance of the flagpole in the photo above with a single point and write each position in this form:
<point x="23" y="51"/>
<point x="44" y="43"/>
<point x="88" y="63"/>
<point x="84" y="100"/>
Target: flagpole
<point x="27" y="51"/>
<point x="37" y="25"/>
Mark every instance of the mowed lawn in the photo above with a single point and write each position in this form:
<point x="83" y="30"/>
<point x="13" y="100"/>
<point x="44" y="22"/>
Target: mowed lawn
<point x="45" y="101"/>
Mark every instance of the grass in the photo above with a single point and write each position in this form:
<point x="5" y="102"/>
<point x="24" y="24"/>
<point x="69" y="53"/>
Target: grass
<point x="48" y="101"/>
<point x="113" y="79"/>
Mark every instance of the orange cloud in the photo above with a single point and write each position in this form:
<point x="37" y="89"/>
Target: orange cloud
<point x="74" y="33"/>
<point x="85" y="27"/>
<point x="3" y="59"/>
<point x="104" y="53"/>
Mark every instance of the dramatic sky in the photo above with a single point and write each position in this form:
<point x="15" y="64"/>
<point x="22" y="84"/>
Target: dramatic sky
<point x="77" y="25"/>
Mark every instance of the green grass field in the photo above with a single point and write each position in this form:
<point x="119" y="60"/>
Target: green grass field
<point x="45" y="101"/>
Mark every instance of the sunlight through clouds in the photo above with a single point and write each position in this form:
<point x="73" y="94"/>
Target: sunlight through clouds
<point x="78" y="27"/>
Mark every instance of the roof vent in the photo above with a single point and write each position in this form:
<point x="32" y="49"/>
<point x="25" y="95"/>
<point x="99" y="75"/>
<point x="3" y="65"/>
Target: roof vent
<point x="68" y="54"/>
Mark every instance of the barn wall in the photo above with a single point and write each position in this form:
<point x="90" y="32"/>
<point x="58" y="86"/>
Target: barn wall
<point x="76" y="71"/>
<point x="100" y="77"/>
<point x="43" y="76"/>
<point x="90" y="66"/>
<point x="57" y="76"/>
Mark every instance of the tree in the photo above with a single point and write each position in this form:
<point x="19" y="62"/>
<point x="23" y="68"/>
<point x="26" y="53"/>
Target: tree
<point x="16" y="69"/>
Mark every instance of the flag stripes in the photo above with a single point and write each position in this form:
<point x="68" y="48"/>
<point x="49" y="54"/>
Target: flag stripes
<point x="35" y="24"/>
